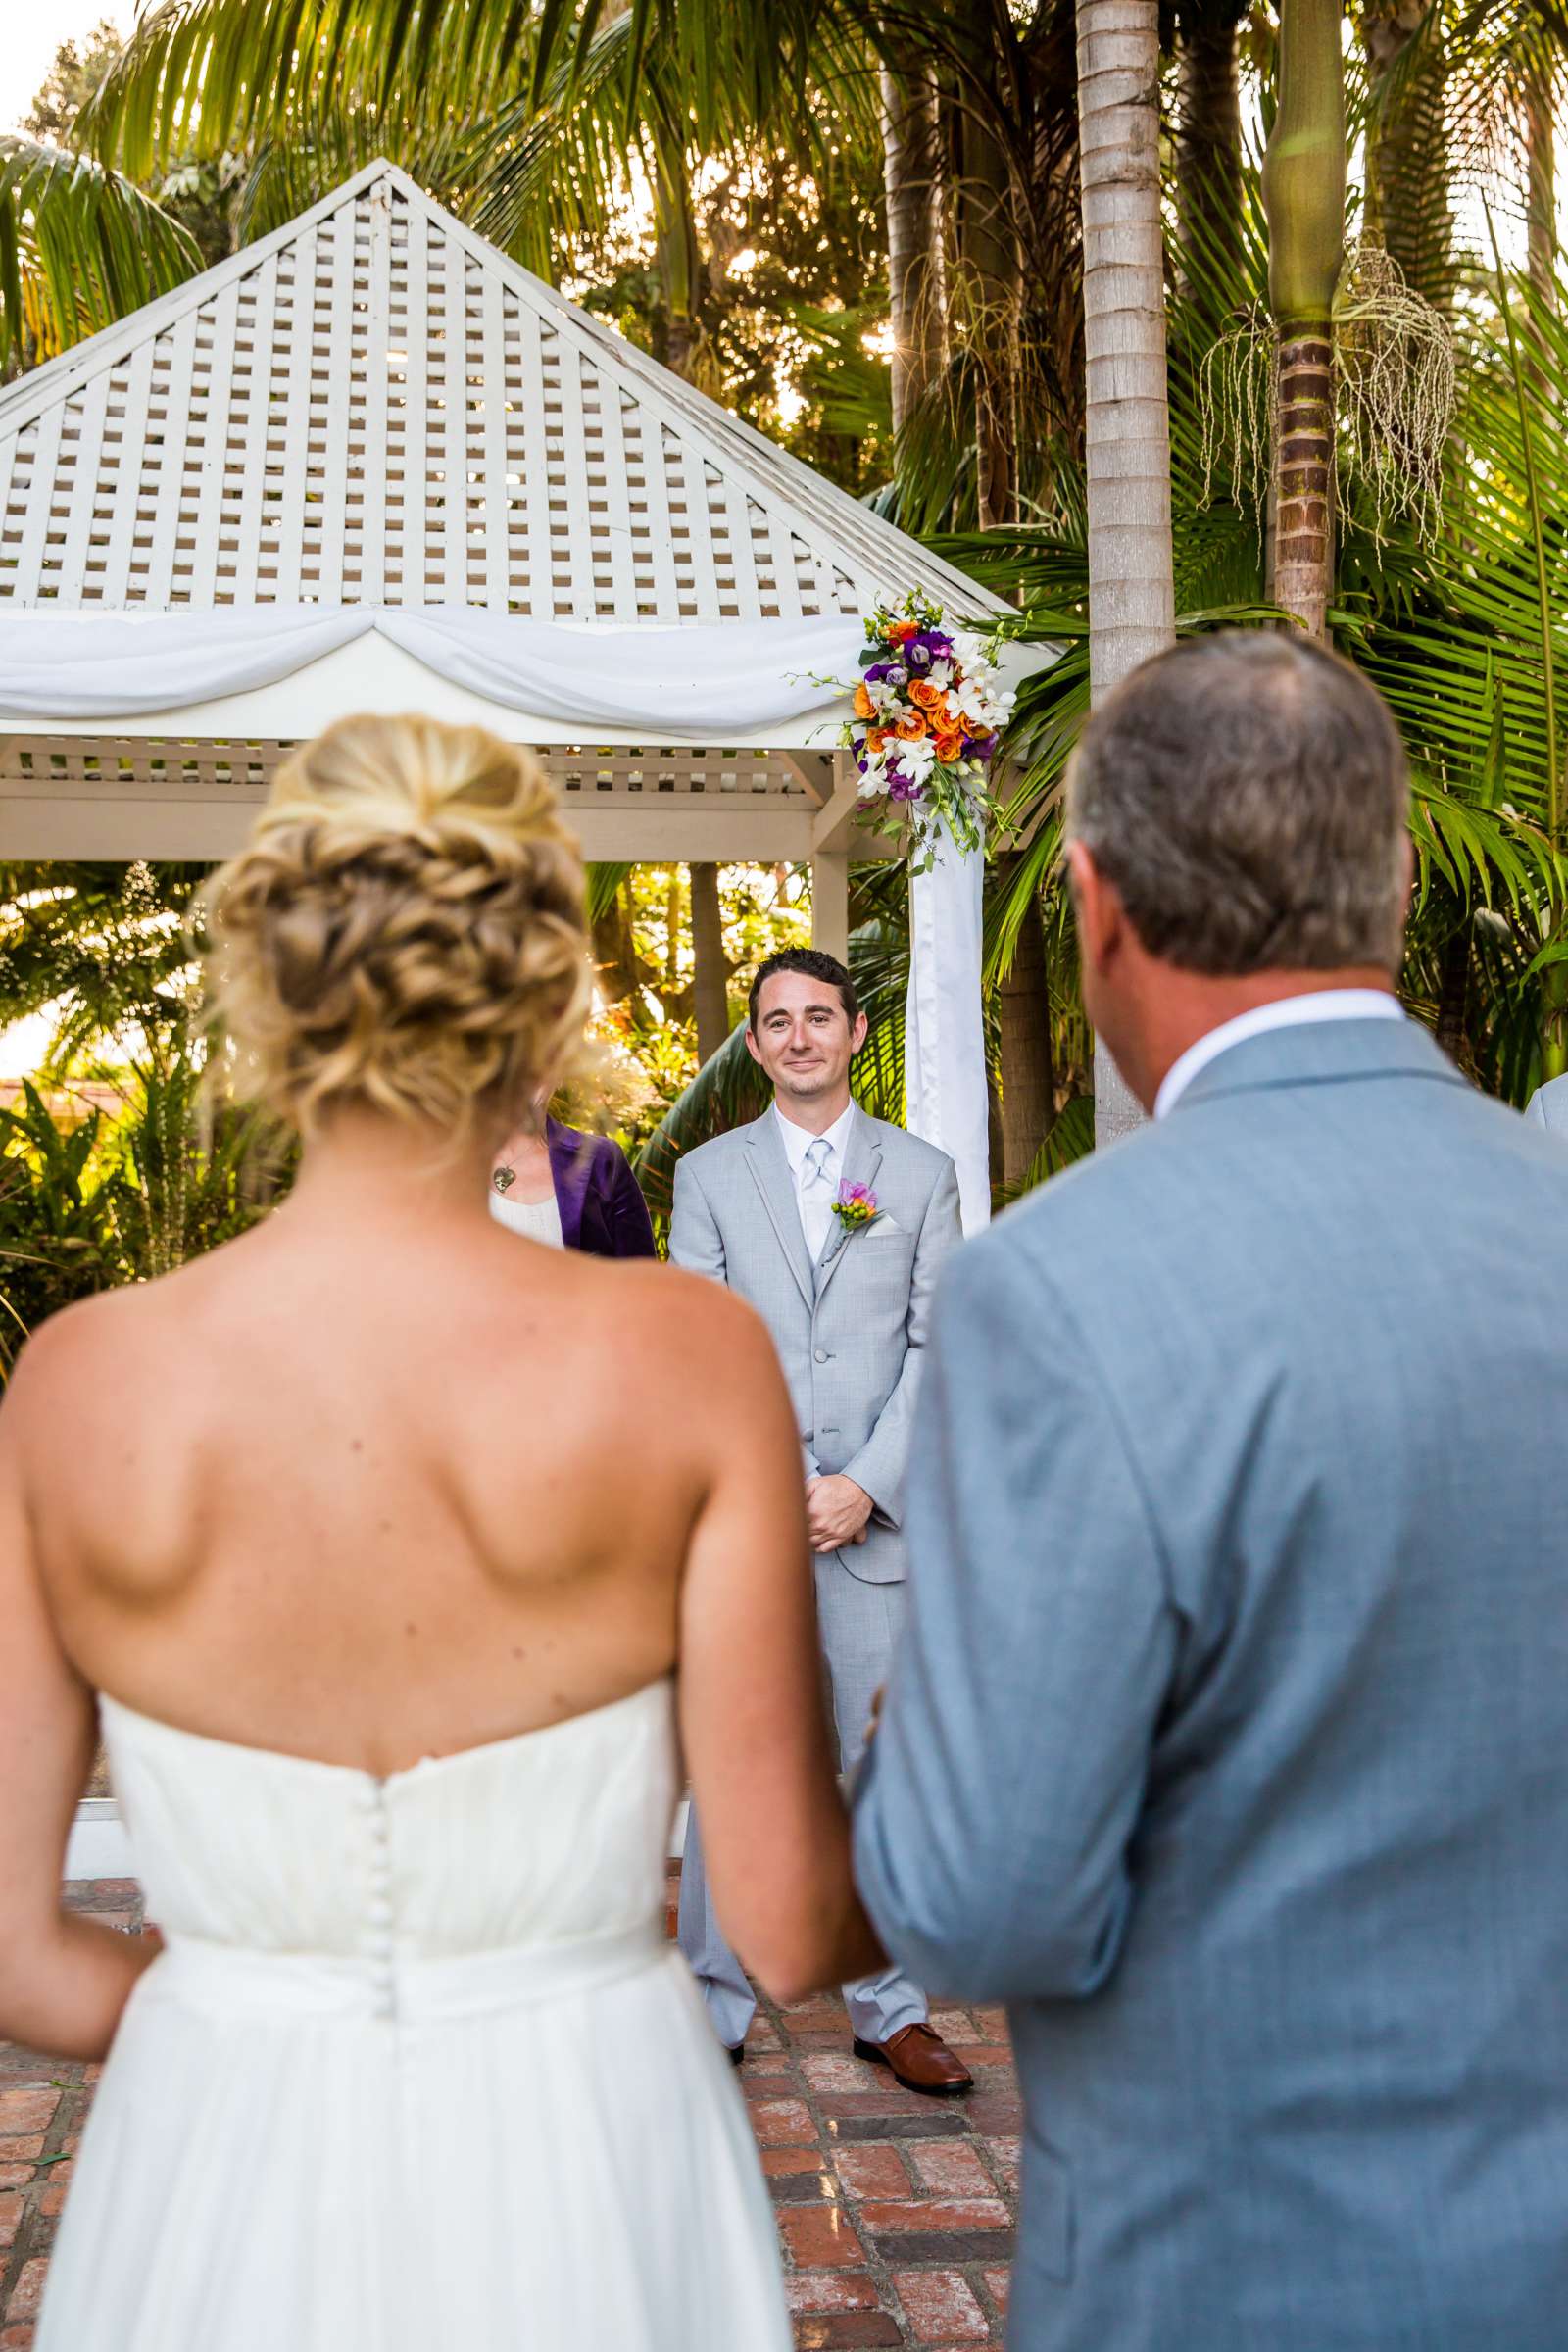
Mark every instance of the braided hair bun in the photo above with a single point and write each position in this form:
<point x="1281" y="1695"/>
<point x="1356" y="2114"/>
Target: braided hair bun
<point x="405" y="930"/>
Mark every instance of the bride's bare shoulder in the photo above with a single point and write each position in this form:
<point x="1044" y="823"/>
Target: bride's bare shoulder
<point x="117" y="1346"/>
<point x="691" y="1321"/>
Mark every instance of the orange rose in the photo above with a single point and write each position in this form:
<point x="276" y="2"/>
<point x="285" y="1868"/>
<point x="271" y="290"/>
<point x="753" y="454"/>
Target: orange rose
<point x="876" y="741"/>
<point x="910" y="729"/>
<point x="926" y="697"/>
<point x="864" y="707"/>
<point x="901" y="630"/>
<point x="949" y="744"/>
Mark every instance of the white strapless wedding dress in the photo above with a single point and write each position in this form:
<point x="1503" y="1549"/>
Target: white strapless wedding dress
<point x="418" y="2071"/>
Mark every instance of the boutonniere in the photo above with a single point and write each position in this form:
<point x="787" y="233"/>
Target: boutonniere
<point x="855" y="1206"/>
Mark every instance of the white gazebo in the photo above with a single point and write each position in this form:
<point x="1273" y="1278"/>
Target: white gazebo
<point x="370" y="463"/>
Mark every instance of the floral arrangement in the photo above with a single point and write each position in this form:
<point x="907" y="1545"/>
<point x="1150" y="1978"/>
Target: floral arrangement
<point x="855" y="1205"/>
<point x="929" y="712"/>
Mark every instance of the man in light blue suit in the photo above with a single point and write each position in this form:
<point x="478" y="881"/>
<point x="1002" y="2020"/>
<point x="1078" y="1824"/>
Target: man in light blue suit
<point x="1228" y="1740"/>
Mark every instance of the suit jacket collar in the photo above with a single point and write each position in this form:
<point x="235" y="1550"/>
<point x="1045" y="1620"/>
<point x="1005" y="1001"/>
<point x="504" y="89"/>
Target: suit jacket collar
<point x="1321" y="1054"/>
<point x="770" y="1168"/>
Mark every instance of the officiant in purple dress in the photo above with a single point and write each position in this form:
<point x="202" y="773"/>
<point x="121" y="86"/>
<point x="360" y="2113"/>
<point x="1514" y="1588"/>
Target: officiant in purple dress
<point x="571" y="1192"/>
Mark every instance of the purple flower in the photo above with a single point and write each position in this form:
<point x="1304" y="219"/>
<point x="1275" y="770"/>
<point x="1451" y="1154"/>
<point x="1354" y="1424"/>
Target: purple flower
<point x="904" y="787"/>
<point x="855" y="1205"/>
<point x="878" y="671"/>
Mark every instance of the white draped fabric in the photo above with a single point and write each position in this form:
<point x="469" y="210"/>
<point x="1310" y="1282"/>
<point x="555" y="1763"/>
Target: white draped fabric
<point x="691" y="683"/>
<point x="702" y="682"/>
<point x="944" y="1034"/>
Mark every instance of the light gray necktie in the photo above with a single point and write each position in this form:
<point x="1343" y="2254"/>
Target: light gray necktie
<point x="814" y="1203"/>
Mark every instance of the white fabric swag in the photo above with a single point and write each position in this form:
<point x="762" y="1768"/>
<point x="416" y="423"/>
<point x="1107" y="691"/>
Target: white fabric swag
<point x="696" y="682"/>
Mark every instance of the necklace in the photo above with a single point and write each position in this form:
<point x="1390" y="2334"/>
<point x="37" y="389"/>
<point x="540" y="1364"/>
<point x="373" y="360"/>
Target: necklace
<point x="502" y="1178"/>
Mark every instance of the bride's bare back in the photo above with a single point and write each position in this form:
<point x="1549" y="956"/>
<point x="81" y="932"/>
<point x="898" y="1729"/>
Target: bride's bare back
<point x="381" y="1480"/>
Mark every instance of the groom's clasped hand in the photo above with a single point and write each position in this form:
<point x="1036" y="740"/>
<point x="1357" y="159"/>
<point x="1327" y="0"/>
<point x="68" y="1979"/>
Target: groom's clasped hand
<point x="837" y="1511"/>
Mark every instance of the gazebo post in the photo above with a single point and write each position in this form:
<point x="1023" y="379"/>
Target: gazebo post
<point x="832" y="830"/>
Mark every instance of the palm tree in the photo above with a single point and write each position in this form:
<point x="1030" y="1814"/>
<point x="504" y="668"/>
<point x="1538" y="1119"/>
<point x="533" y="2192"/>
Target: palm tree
<point x="1132" y="598"/>
<point x="911" y="153"/>
<point x="1208" y="131"/>
<point x="1303" y="201"/>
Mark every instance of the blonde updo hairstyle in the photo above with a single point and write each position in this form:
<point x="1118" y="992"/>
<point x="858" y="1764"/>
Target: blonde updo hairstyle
<point x="404" y="931"/>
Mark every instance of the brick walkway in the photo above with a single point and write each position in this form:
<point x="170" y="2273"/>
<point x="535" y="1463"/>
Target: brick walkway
<point x="895" y="2212"/>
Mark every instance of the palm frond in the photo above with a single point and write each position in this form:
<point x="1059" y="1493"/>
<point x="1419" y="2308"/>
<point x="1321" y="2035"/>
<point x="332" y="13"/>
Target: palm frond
<point x="79" y="247"/>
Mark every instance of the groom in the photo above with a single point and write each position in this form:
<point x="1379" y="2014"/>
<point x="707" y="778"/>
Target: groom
<point x="847" y="1307"/>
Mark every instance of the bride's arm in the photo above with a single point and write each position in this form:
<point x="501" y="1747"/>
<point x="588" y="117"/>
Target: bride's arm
<point x="64" y="1980"/>
<point x="775" y="1833"/>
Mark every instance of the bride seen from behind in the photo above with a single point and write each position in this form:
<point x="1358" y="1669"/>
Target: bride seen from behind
<point x="406" y="1560"/>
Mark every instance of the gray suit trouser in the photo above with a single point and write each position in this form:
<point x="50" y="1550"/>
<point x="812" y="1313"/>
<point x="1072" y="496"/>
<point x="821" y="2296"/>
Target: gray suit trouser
<point x="860" y="1625"/>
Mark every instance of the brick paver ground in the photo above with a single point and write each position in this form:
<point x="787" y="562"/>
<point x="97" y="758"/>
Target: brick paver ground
<point x="895" y="2212"/>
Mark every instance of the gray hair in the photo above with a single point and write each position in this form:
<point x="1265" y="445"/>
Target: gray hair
<point x="1247" y="795"/>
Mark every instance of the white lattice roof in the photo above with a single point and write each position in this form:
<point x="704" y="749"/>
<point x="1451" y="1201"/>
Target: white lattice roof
<point x="373" y="406"/>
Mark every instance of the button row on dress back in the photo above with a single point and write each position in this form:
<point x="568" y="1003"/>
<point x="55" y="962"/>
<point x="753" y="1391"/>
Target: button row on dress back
<point x="380" y="1909"/>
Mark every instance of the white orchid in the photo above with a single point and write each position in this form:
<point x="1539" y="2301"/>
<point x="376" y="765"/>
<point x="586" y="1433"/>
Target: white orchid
<point x="917" y="759"/>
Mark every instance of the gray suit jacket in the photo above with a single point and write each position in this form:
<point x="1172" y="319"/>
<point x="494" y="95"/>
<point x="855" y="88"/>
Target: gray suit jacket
<point x="1548" y="1106"/>
<point x="1229" y="1743"/>
<point x="851" y="1331"/>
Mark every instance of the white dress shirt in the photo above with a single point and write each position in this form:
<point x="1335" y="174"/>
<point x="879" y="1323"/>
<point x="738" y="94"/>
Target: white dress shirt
<point x="817" y="1174"/>
<point x="1286" y="1012"/>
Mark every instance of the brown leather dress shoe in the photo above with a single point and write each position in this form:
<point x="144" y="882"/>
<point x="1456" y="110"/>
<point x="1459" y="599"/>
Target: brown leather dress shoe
<point x="919" y="2059"/>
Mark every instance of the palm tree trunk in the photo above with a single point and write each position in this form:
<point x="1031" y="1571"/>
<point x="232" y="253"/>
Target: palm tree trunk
<point x="1453" y="992"/>
<point x="1208" y="137"/>
<point x="1407" y="209"/>
<point x="679" y="262"/>
<point x="710" y="965"/>
<point x="1028" y="1072"/>
<point x="1304" y="198"/>
<point x="912" y="173"/>
<point x="989" y="260"/>
<point x="1540" y="198"/>
<point x="618" y="967"/>
<point x="1132" y="600"/>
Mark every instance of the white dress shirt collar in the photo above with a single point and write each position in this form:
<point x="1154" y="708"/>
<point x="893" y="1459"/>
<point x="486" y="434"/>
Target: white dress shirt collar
<point x="1284" y="1012"/>
<point x="798" y="1140"/>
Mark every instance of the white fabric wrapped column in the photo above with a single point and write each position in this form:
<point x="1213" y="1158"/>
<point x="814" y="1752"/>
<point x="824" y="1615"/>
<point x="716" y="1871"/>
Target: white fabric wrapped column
<point x="944" y="1031"/>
